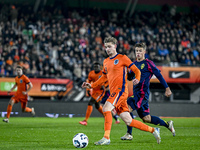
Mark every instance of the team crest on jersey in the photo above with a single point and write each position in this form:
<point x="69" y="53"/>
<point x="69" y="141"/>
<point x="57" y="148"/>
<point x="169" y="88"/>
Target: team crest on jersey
<point x="20" y="81"/>
<point x="116" y="61"/>
<point x="142" y="66"/>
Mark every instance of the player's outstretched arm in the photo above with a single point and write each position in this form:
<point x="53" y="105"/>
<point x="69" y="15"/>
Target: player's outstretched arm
<point x="168" y="92"/>
<point x="137" y="74"/>
<point x="14" y="86"/>
<point x="86" y="85"/>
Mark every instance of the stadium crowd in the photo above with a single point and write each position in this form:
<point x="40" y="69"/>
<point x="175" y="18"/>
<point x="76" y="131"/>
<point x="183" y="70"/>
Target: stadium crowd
<point x="56" y="42"/>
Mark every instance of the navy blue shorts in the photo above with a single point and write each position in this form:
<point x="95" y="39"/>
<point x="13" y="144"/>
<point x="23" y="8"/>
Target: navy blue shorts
<point x="107" y="94"/>
<point x="140" y="105"/>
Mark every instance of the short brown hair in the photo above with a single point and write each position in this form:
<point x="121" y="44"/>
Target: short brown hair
<point x="110" y="39"/>
<point x="141" y="45"/>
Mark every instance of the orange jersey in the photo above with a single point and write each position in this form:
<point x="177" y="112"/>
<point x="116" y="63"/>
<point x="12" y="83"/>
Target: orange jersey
<point x="21" y="82"/>
<point x="115" y="71"/>
<point x="92" y="77"/>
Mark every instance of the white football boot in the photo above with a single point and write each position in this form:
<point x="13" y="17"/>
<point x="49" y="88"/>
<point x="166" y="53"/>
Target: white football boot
<point x="156" y="134"/>
<point x="103" y="141"/>
<point x="127" y="136"/>
<point x="33" y="112"/>
<point x="171" y="127"/>
<point x="6" y="120"/>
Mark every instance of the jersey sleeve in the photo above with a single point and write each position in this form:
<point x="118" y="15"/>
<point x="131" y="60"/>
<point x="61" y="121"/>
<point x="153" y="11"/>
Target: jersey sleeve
<point x="100" y="81"/>
<point x="90" y="77"/>
<point x="132" y="66"/>
<point x="26" y="80"/>
<point x="157" y="73"/>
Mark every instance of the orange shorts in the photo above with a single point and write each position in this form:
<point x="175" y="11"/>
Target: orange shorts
<point x="98" y="95"/>
<point x="119" y="100"/>
<point x="23" y="101"/>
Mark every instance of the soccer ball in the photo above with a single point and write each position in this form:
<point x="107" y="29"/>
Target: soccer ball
<point x="80" y="140"/>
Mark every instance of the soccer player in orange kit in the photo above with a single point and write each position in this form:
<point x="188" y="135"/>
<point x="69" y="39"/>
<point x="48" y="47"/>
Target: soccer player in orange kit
<point x="97" y="93"/>
<point x="115" y="71"/>
<point x="21" y="95"/>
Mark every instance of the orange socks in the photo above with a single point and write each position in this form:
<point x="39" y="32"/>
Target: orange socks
<point x="27" y="109"/>
<point x="9" y="109"/>
<point x="107" y="124"/>
<point x="100" y="109"/>
<point x="88" y="112"/>
<point x="139" y="125"/>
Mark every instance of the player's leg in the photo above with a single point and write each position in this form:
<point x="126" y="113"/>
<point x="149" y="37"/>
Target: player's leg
<point x="123" y="110"/>
<point x="126" y="117"/>
<point x="104" y="98"/>
<point x="146" y="117"/>
<point x="115" y="116"/>
<point x="114" y="113"/>
<point x="132" y="107"/>
<point x="107" y="108"/>
<point x="9" y="109"/>
<point x="128" y="135"/>
<point x="144" y="114"/>
<point x="27" y="109"/>
<point x="99" y="107"/>
<point x="88" y="111"/>
<point x="158" y="121"/>
<point x="98" y="97"/>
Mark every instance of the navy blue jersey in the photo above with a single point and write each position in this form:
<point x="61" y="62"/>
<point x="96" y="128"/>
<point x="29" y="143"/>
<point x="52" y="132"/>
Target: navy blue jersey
<point x="148" y="69"/>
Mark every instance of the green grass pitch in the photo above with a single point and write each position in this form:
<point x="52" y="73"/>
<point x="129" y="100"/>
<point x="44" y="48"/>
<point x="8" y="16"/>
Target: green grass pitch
<point x="23" y="133"/>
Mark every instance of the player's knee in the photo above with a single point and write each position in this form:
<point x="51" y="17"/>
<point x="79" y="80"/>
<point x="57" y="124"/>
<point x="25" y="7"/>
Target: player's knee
<point x="11" y="102"/>
<point x="130" y="108"/>
<point x="127" y="120"/>
<point x="146" y="120"/>
<point x="127" y="123"/>
<point x="125" y="116"/>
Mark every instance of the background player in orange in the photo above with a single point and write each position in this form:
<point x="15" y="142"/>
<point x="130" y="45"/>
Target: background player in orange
<point x="115" y="71"/>
<point x="96" y="95"/>
<point x="21" y="95"/>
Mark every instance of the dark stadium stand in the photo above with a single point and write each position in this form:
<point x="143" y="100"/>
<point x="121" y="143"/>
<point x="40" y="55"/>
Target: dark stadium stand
<point x="59" y="41"/>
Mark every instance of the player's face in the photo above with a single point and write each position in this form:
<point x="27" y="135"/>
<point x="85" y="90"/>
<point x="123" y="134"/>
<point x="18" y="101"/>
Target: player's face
<point x="110" y="49"/>
<point x="19" y="72"/>
<point x="97" y="68"/>
<point x="140" y="53"/>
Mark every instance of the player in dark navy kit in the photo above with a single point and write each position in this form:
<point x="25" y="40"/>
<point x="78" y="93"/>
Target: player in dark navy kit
<point x="139" y="100"/>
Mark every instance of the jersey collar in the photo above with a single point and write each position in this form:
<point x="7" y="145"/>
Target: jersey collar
<point x="20" y="76"/>
<point x="114" y="56"/>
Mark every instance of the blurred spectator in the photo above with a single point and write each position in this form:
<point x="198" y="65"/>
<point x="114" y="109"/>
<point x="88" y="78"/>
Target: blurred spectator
<point x="13" y="15"/>
<point x="9" y="61"/>
<point x="163" y="51"/>
<point x="50" y="43"/>
<point x="77" y="74"/>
